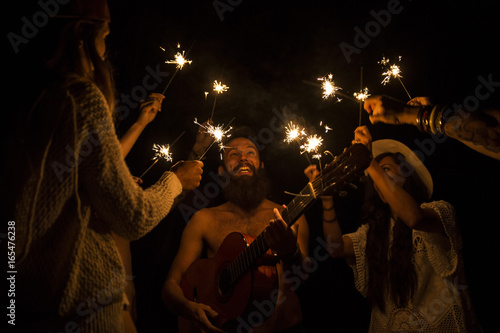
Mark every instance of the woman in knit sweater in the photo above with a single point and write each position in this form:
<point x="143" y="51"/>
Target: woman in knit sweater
<point x="76" y="189"/>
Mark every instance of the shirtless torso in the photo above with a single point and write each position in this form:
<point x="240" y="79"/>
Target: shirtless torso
<point x="207" y="230"/>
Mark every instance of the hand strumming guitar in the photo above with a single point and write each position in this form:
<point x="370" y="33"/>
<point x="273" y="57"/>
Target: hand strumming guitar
<point x="199" y="315"/>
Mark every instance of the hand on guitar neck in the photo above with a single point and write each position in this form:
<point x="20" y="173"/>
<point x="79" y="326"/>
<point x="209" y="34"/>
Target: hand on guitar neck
<point x="282" y="238"/>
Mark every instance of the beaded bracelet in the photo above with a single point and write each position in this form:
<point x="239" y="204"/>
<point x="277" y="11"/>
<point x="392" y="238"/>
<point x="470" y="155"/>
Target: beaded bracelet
<point x="436" y="120"/>
<point x="423" y="118"/>
<point x="440" y="121"/>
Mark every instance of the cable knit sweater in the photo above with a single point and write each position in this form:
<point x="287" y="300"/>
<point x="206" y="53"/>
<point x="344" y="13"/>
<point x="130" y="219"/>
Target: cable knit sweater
<point x="70" y="277"/>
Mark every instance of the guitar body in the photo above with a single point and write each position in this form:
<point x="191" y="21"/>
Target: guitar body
<point x="201" y="283"/>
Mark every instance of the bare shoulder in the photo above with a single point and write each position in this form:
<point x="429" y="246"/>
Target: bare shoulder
<point x="207" y="216"/>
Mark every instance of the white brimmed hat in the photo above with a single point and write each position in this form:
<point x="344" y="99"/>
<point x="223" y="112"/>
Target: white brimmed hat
<point x="393" y="146"/>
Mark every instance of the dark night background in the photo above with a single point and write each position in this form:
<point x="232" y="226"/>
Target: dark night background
<point x="264" y="51"/>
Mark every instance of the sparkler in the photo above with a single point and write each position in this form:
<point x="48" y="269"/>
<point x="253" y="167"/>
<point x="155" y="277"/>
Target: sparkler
<point x="218" y="132"/>
<point x="362" y="95"/>
<point x="312" y="145"/>
<point x="392" y="71"/>
<point x="179" y="60"/>
<point x="162" y="152"/>
<point x="219" y="88"/>
<point x="329" y="87"/>
<point x="293" y="133"/>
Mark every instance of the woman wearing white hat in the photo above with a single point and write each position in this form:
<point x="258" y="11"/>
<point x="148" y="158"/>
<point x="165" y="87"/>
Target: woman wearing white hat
<point x="406" y="254"/>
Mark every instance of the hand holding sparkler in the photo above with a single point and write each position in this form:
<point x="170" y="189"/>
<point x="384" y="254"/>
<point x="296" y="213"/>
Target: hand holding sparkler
<point x="203" y="140"/>
<point x="387" y="110"/>
<point x="189" y="173"/>
<point x="149" y="108"/>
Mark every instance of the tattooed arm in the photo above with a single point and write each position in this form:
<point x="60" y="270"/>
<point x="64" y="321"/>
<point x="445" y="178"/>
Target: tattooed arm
<point x="479" y="130"/>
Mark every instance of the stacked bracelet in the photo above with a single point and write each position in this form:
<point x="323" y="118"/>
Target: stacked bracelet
<point x="440" y="121"/>
<point x="430" y="119"/>
<point x="423" y="118"/>
<point x="436" y="119"/>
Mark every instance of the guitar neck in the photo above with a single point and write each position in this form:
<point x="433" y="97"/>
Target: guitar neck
<point x="259" y="246"/>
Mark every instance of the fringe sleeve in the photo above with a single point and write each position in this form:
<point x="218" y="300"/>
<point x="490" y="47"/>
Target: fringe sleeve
<point x="442" y="249"/>
<point x="359" y="267"/>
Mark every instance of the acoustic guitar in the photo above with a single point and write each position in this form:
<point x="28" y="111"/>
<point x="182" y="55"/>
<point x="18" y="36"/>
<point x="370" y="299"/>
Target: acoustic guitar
<point x="243" y="272"/>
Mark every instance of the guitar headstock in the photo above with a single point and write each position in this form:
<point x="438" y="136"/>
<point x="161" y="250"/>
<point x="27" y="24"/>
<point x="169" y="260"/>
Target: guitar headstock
<point x="343" y="170"/>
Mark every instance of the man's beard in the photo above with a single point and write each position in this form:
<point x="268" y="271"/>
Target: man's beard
<point x="247" y="192"/>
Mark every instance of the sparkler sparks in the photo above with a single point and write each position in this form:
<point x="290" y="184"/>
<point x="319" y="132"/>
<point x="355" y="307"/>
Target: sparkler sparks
<point x="362" y="95"/>
<point x="162" y="151"/>
<point x="217" y="132"/>
<point x="179" y="59"/>
<point x="219" y="87"/>
<point x="392" y="71"/>
<point x="329" y="87"/>
<point x="312" y="145"/>
<point x="293" y="133"/>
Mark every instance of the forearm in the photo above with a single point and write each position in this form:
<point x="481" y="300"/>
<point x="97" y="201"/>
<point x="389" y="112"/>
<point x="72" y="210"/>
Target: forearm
<point x="130" y="137"/>
<point x="401" y="202"/>
<point x="174" y="298"/>
<point x="478" y="130"/>
<point x="331" y="230"/>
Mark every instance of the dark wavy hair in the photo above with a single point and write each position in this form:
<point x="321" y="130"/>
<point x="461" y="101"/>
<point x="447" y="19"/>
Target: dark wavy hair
<point x="390" y="262"/>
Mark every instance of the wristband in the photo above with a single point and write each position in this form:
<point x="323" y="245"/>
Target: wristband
<point x="331" y="220"/>
<point x="328" y="209"/>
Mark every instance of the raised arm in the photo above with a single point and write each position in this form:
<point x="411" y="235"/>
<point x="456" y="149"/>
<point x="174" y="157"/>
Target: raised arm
<point x="401" y="202"/>
<point x="479" y="130"/>
<point x="129" y="211"/>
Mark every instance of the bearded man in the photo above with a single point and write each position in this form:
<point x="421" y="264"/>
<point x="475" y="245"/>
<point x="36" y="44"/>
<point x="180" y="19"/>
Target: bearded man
<point x="246" y="211"/>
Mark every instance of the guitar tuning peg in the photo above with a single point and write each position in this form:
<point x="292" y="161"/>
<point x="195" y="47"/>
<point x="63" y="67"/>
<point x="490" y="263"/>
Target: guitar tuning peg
<point x="343" y="193"/>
